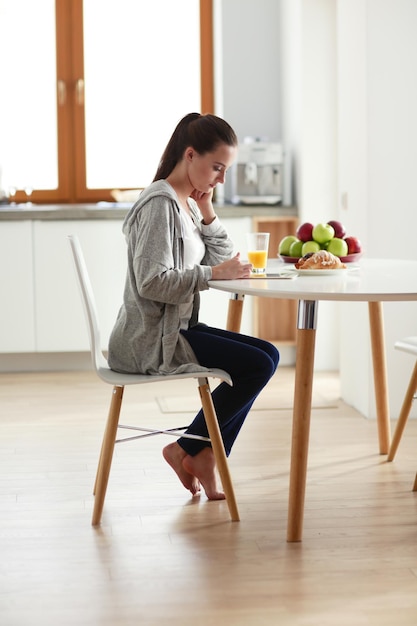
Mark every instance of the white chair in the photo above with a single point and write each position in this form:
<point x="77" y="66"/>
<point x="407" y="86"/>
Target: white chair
<point x="119" y="381"/>
<point x="409" y="344"/>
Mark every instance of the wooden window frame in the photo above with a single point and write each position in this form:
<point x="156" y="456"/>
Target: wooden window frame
<point x="72" y="185"/>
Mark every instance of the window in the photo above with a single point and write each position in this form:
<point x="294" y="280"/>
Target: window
<point x="95" y="91"/>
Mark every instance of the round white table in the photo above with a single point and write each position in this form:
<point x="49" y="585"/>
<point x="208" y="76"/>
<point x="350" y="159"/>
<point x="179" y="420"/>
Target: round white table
<point x="371" y="280"/>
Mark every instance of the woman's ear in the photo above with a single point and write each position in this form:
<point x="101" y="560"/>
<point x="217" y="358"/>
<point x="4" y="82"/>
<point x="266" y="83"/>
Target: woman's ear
<point x="189" y="154"/>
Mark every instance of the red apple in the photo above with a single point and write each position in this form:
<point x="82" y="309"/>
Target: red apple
<point x="339" y="229"/>
<point x="354" y="245"/>
<point x="304" y="231"/>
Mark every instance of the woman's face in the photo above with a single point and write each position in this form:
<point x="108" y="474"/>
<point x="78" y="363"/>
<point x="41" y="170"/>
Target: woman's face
<point x="205" y="171"/>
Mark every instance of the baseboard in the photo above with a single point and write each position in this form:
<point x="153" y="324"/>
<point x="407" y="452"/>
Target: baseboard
<point x="45" y="362"/>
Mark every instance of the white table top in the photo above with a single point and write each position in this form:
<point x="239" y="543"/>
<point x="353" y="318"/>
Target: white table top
<point x="370" y="280"/>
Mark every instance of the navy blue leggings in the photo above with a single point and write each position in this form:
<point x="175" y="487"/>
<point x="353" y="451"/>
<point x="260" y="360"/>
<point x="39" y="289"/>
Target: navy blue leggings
<point x="250" y="362"/>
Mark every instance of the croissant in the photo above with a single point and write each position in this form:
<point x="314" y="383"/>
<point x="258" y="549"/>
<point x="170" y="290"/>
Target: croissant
<point x="321" y="260"/>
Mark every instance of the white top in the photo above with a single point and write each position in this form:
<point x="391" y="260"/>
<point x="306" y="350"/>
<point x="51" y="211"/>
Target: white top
<point x="369" y="280"/>
<point x="193" y="254"/>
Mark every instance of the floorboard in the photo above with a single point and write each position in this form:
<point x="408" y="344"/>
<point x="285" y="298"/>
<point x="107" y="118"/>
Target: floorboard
<point x="161" y="557"/>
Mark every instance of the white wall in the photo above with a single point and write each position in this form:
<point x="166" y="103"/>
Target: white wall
<point x="251" y="67"/>
<point x="309" y="98"/>
<point x="248" y="80"/>
<point x="353" y="175"/>
<point x="340" y="78"/>
<point x="349" y="90"/>
<point x="377" y="131"/>
<point x="291" y="100"/>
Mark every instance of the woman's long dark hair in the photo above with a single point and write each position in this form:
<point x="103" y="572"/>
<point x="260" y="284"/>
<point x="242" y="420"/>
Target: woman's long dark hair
<point x="202" y="132"/>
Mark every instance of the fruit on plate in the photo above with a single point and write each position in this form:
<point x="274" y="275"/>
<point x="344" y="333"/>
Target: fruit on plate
<point x="337" y="246"/>
<point x="354" y="245"/>
<point x="309" y="238"/>
<point x="296" y="249"/>
<point x="322" y="233"/>
<point x="339" y="229"/>
<point x="310" y="246"/>
<point x="305" y="231"/>
<point x="285" y="244"/>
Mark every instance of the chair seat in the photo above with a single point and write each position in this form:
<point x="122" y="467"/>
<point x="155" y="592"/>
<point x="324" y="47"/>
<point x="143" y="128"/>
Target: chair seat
<point x="408" y="344"/>
<point x="116" y="378"/>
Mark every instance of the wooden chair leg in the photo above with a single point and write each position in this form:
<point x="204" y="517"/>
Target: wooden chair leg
<point x="404" y="413"/>
<point x="106" y="454"/>
<point x="101" y="450"/>
<point x="415" y="484"/>
<point x="218" y="447"/>
<point x="99" y="460"/>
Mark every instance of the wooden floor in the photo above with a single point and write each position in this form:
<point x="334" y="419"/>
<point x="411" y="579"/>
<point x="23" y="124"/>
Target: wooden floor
<point x="163" y="558"/>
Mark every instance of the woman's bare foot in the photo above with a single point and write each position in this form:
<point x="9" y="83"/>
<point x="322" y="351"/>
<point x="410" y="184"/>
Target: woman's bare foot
<point x="202" y="466"/>
<point x="174" y="455"/>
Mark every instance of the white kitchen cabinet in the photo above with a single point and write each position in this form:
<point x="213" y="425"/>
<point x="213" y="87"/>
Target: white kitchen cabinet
<point x="17" y="329"/>
<point x="59" y="320"/>
<point x="41" y="308"/>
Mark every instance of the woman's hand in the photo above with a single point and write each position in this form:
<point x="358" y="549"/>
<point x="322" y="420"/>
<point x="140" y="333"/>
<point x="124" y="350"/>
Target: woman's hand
<point x="231" y="269"/>
<point x="204" y="202"/>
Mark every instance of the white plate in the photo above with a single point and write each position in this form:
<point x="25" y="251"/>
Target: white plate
<point x="321" y="272"/>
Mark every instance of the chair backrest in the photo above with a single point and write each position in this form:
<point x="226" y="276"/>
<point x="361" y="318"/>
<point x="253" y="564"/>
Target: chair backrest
<point x="89" y="304"/>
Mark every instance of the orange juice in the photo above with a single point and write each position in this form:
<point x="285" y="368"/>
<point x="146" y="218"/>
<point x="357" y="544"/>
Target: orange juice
<point x="258" y="259"/>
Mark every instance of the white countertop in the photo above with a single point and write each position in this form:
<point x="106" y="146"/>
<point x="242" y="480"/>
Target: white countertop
<point x="118" y="210"/>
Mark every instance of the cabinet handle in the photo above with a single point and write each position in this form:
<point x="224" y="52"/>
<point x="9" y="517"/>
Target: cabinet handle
<point x="62" y="92"/>
<point x="79" y="91"/>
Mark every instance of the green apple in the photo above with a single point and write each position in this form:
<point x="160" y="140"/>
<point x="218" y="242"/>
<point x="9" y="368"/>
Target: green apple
<point x="285" y="243"/>
<point x="323" y="232"/>
<point x="310" y="246"/>
<point x="338" y="247"/>
<point x="295" y="249"/>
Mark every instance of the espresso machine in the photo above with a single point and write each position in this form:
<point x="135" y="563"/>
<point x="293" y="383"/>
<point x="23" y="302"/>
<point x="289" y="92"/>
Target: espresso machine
<point x="257" y="175"/>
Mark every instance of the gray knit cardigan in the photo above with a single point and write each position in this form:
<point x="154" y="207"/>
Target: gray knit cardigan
<point x="146" y="337"/>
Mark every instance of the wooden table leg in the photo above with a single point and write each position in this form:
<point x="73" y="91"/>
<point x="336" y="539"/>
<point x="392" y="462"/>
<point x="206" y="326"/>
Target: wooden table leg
<point x="234" y="313"/>
<point x="376" y="322"/>
<point x="306" y="336"/>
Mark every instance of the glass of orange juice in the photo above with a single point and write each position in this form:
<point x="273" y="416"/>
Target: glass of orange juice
<point x="258" y="251"/>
